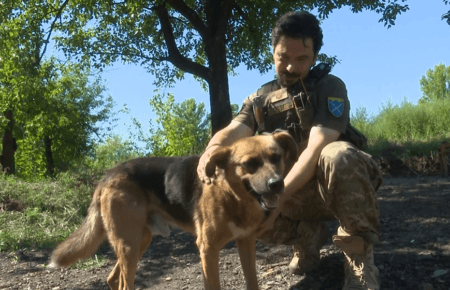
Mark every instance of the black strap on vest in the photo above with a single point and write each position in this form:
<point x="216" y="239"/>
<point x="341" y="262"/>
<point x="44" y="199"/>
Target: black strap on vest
<point x="292" y="123"/>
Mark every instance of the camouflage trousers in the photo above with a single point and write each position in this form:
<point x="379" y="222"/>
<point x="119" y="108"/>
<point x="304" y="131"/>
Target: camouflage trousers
<point x="343" y="188"/>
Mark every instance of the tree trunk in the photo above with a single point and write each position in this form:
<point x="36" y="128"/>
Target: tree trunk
<point x="219" y="95"/>
<point x="49" y="155"/>
<point x="9" y="146"/>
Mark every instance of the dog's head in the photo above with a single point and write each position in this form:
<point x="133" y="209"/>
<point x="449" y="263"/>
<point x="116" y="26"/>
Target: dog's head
<point x="257" y="165"/>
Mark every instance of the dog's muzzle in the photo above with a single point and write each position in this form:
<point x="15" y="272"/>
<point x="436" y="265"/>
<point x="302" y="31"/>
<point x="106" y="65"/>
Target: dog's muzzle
<point x="268" y="200"/>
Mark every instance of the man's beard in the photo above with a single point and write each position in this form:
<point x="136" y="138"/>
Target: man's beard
<point x="287" y="80"/>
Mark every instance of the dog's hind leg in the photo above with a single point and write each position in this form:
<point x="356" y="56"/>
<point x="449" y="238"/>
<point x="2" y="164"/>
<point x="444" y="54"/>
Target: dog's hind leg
<point x="247" y="254"/>
<point x="125" y="221"/>
<point x="113" y="278"/>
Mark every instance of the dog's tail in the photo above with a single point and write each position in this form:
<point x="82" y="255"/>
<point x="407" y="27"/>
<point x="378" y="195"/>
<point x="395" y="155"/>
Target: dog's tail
<point x="85" y="241"/>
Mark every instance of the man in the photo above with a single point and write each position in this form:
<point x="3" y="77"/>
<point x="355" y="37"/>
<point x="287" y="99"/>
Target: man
<point x="332" y="178"/>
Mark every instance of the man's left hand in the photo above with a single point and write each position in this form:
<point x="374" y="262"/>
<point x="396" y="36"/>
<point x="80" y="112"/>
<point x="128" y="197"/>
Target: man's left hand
<point x="270" y="221"/>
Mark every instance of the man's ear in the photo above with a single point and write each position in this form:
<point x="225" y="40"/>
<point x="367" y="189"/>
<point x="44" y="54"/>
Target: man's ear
<point x="288" y="144"/>
<point x="218" y="158"/>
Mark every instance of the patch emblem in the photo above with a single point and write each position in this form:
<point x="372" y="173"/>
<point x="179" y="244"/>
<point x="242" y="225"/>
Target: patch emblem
<point x="336" y="106"/>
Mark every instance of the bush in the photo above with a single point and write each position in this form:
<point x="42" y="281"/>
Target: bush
<point x="406" y="123"/>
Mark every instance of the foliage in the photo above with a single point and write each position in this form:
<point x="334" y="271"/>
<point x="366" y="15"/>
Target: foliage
<point x="435" y="85"/>
<point x="207" y="38"/>
<point x="406" y="122"/>
<point x="61" y="103"/>
<point x="131" y="31"/>
<point x="65" y="103"/>
<point x="446" y="16"/>
<point x="361" y="120"/>
<point x="183" y="129"/>
<point x="110" y="153"/>
<point x="426" y="121"/>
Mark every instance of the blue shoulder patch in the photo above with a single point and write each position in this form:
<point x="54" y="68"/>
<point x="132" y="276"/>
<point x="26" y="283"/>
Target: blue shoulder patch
<point x="336" y="106"/>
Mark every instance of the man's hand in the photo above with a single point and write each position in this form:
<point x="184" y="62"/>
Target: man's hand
<point x="202" y="164"/>
<point x="234" y="131"/>
<point x="270" y="221"/>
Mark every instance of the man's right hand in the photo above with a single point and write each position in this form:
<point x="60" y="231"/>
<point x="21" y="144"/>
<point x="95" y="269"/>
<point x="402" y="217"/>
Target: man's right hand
<point x="202" y="164"/>
<point x="233" y="132"/>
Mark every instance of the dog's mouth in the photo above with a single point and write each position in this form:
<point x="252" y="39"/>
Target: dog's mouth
<point x="265" y="203"/>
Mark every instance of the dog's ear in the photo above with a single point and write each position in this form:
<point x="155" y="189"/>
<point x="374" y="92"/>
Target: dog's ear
<point x="218" y="158"/>
<point x="288" y="144"/>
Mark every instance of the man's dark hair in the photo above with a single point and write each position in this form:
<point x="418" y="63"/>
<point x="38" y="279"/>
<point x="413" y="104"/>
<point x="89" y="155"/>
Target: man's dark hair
<point x="300" y="25"/>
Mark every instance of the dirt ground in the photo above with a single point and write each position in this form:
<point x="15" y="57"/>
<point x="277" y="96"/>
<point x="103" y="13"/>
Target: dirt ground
<point x="414" y="253"/>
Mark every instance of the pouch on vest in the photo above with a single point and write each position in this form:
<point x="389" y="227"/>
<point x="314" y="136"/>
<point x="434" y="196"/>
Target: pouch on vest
<point x="355" y="137"/>
<point x="258" y="109"/>
<point x="305" y="112"/>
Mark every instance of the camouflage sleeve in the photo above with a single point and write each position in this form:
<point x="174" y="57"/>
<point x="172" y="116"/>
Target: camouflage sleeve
<point x="246" y="115"/>
<point x="332" y="105"/>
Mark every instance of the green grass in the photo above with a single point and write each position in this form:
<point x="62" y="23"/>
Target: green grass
<point x="406" y="129"/>
<point x="96" y="261"/>
<point x="53" y="210"/>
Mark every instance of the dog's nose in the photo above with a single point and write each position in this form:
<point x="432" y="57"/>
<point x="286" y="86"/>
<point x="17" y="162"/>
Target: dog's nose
<point x="276" y="184"/>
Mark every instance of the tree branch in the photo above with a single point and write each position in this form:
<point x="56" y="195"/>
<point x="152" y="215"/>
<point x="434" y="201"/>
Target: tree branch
<point x="190" y="14"/>
<point x="175" y="56"/>
<point x="58" y="16"/>
<point x="155" y="59"/>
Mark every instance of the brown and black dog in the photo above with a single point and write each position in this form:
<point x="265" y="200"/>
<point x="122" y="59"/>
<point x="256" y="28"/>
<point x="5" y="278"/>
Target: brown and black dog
<point x="142" y="197"/>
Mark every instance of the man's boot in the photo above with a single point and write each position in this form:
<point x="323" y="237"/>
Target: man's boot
<point x="307" y="257"/>
<point x="360" y="270"/>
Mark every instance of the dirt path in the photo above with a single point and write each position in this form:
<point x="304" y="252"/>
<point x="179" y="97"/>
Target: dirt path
<point x="414" y="253"/>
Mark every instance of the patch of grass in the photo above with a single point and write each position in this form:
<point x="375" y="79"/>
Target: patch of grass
<point x="89" y="263"/>
<point x="52" y="210"/>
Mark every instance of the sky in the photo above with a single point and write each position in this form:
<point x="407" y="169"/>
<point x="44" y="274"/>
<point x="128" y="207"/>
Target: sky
<point x="377" y="64"/>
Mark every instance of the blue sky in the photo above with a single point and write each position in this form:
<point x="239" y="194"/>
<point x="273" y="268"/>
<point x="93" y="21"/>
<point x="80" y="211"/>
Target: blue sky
<point x="377" y="64"/>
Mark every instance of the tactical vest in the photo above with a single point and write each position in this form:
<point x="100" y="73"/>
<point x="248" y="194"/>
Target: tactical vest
<point x="292" y="109"/>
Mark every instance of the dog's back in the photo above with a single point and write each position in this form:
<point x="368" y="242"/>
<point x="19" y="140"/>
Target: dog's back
<point x="166" y="187"/>
<point x="172" y="180"/>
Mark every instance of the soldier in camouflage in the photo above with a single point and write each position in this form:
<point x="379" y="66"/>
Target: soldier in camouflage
<point x="333" y="178"/>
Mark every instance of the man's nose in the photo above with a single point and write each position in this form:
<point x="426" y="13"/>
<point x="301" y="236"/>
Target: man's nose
<point x="291" y="68"/>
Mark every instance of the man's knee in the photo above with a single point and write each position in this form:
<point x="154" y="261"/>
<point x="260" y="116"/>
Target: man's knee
<point x="339" y="152"/>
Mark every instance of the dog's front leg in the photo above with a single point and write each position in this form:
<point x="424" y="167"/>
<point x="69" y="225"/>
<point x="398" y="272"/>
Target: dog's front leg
<point x="209" y="256"/>
<point x="247" y="253"/>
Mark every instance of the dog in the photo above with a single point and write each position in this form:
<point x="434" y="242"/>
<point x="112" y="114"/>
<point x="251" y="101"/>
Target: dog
<point x="143" y="197"/>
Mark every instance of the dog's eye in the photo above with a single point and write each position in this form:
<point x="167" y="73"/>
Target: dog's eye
<point x="275" y="158"/>
<point x="252" y="163"/>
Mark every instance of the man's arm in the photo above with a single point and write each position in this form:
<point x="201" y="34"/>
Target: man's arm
<point x="233" y="132"/>
<point x="304" y="169"/>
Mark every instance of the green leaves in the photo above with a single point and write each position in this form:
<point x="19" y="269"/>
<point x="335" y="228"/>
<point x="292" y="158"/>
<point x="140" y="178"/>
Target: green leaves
<point x="182" y="129"/>
<point x="60" y="101"/>
<point x="435" y="85"/>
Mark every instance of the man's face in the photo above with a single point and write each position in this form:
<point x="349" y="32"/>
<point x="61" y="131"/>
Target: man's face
<point x="293" y="58"/>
